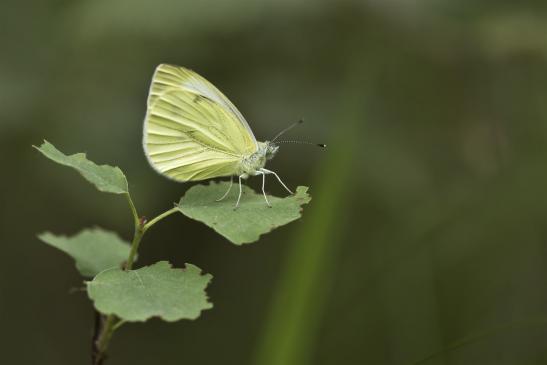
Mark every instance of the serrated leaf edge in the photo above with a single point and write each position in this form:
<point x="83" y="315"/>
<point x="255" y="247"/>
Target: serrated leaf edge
<point x="187" y="265"/>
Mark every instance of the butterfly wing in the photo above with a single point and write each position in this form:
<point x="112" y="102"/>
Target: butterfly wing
<point x="189" y="133"/>
<point x="170" y="76"/>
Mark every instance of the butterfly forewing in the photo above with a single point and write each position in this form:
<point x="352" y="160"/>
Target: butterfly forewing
<point x="170" y="76"/>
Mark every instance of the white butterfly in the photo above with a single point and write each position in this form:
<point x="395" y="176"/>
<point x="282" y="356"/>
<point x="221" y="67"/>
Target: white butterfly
<point x="193" y="132"/>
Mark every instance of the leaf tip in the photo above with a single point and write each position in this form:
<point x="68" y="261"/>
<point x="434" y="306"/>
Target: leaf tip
<point x="43" y="235"/>
<point x="196" y="270"/>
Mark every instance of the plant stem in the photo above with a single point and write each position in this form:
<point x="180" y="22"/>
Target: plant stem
<point x="137" y="237"/>
<point x="101" y="344"/>
<point x="159" y="217"/>
<point x="133" y="209"/>
<point x="110" y="323"/>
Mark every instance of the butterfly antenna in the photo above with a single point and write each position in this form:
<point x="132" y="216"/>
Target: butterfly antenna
<point x="322" y="145"/>
<point x="287" y="129"/>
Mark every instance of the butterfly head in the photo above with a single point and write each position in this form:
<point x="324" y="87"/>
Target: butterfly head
<point x="266" y="150"/>
<point x="271" y="150"/>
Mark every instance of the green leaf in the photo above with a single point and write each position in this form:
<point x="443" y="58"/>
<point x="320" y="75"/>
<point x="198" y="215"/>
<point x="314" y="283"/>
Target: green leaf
<point x="253" y="217"/>
<point x="94" y="250"/>
<point x="106" y="178"/>
<point x="156" y="290"/>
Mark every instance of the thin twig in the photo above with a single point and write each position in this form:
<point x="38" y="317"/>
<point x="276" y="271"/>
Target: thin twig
<point x="160" y="217"/>
<point x="97" y="328"/>
<point x="106" y="325"/>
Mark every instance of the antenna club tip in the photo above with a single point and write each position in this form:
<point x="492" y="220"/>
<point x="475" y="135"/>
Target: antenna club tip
<point x="322" y="145"/>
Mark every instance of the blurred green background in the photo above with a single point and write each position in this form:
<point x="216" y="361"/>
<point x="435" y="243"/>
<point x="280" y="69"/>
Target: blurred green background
<point x="429" y="214"/>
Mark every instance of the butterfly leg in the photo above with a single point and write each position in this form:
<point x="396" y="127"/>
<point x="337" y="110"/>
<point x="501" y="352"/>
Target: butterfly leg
<point x="263" y="185"/>
<point x="227" y="191"/>
<point x="278" y="178"/>
<point x="240" y="191"/>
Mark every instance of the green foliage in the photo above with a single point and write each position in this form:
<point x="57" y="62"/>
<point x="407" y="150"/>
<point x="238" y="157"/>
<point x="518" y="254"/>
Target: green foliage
<point x="106" y="178"/>
<point x="93" y="250"/>
<point x="126" y="295"/>
<point x="156" y="290"/>
<point x="253" y="217"/>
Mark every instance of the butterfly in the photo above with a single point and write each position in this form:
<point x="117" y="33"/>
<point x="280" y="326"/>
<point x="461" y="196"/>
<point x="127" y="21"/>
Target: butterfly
<point x="193" y="132"/>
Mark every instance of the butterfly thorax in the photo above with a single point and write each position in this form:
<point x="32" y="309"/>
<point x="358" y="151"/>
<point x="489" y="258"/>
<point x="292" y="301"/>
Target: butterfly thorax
<point x="254" y="162"/>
